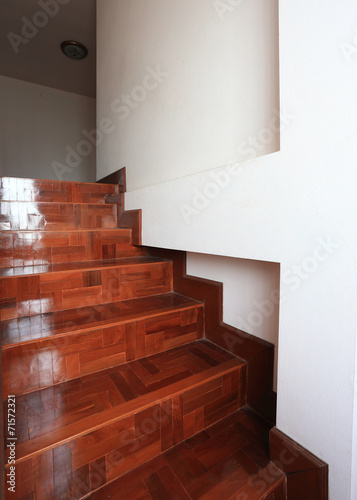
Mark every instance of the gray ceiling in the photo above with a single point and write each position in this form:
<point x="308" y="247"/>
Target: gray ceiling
<point x="32" y="53"/>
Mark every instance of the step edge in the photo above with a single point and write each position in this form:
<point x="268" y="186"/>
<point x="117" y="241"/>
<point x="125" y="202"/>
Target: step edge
<point x="84" y="269"/>
<point x="100" y="204"/>
<point x="141" y="404"/>
<point x="108" y="324"/>
<point x="49" y="231"/>
<point x="57" y="181"/>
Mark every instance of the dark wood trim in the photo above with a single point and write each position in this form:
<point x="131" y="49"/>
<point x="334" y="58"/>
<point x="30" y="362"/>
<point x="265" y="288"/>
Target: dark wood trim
<point x="257" y="353"/>
<point x="307" y="475"/>
<point x="118" y="177"/>
<point x="131" y="219"/>
<point x="127" y="219"/>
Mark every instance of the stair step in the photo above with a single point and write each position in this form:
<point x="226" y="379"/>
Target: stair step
<point x="223" y="462"/>
<point x="51" y="348"/>
<point x="43" y="216"/>
<point x="33" y="290"/>
<point x="39" y="190"/>
<point x="36" y="248"/>
<point x="134" y="411"/>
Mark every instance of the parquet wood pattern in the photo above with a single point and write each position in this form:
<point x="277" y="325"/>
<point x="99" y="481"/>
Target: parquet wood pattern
<point x="42" y="216"/>
<point x="221" y="462"/>
<point x="36" y="248"/>
<point x="136" y="329"/>
<point x="122" y="417"/>
<point x="36" y="290"/>
<point x="41" y="190"/>
<point x="108" y="364"/>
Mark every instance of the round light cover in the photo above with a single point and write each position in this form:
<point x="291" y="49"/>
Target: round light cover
<point x="74" y="50"/>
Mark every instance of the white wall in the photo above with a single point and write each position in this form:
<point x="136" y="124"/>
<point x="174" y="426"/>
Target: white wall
<point x="37" y="125"/>
<point x="296" y="207"/>
<point x="251" y="291"/>
<point x="219" y="85"/>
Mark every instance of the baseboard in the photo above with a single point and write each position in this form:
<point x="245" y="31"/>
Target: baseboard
<point x="307" y="475"/>
<point x="257" y="353"/>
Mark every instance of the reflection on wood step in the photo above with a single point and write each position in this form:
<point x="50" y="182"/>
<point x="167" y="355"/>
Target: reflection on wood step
<point x="40" y="289"/>
<point x="41" y="190"/>
<point x="75" y="343"/>
<point x="127" y="415"/>
<point x="83" y="319"/>
<point x="35" y="248"/>
<point x="41" y="216"/>
<point x="226" y="461"/>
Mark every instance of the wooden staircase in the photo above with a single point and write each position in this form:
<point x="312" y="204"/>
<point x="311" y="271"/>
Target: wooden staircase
<point x="119" y="392"/>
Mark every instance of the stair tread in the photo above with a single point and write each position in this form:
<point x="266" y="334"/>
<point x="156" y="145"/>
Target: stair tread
<point x="9" y="272"/>
<point x="44" y="326"/>
<point x="33" y="181"/>
<point x="55" y="415"/>
<point x="224" y="461"/>
<point x="50" y="232"/>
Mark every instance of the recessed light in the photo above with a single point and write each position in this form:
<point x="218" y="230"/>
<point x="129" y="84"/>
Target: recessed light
<point x="74" y="50"/>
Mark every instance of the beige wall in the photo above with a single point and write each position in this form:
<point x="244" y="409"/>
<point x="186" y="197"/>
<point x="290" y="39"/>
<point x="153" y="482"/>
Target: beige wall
<point x="186" y="85"/>
<point x="37" y="124"/>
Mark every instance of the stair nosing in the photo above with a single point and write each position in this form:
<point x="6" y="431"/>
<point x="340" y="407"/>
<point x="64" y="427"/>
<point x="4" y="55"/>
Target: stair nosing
<point x="101" y="204"/>
<point x="57" y="181"/>
<point x="110" y="323"/>
<point x="49" y="231"/>
<point x="119" y="263"/>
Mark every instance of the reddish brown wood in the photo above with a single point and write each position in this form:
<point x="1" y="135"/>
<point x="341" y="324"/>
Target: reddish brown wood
<point x="40" y="190"/>
<point x="41" y="216"/>
<point x="118" y="177"/>
<point x="307" y="475"/>
<point x="106" y="361"/>
<point x="132" y="219"/>
<point x="258" y="354"/>
<point x="59" y="412"/>
<point x="37" y="290"/>
<point x="219" y="465"/>
<point x="34" y="248"/>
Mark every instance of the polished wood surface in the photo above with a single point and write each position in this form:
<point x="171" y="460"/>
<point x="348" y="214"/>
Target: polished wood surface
<point x="43" y="216"/>
<point x="226" y="461"/>
<point x="101" y="341"/>
<point x="48" y="349"/>
<point x="40" y="190"/>
<point x="34" y="248"/>
<point x="71" y="408"/>
<point x="258" y="354"/>
<point x="37" y="290"/>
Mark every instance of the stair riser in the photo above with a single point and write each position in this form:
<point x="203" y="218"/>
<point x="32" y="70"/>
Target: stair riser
<point x="49" y="292"/>
<point x="83" y="465"/>
<point x="27" y="216"/>
<point x="37" y="365"/>
<point x="53" y="191"/>
<point x="42" y="248"/>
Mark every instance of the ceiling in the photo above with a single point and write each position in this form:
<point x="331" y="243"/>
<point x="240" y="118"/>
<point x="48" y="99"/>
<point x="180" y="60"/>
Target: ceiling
<point x="31" y="39"/>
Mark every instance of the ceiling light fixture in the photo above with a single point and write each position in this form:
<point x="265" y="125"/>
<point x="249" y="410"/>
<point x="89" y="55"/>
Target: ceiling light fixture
<point x="74" y="50"/>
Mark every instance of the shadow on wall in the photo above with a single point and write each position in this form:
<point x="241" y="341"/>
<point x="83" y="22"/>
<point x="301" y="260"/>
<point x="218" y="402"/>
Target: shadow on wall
<point x="251" y="291"/>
